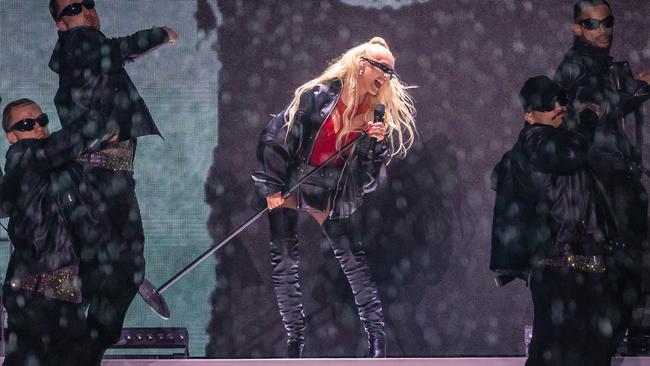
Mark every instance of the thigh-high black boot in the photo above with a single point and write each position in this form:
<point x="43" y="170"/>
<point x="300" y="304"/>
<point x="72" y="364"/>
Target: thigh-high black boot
<point x="284" y="259"/>
<point x="355" y="267"/>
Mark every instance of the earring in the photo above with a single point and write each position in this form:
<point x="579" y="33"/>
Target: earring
<point x="361" y="72"/>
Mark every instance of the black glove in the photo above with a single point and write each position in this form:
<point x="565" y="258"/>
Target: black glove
<point x="588" y="119"/>
<point x="635" y="170"/>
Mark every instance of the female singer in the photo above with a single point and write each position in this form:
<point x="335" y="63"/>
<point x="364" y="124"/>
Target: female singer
<point x="325" y="115"/>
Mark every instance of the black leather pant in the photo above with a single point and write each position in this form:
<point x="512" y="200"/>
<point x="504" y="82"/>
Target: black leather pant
<point x="285" y="259"/>
<point x="573" y="318"/>
<point x="42" y="330"/>
<point x="112" y="262"/>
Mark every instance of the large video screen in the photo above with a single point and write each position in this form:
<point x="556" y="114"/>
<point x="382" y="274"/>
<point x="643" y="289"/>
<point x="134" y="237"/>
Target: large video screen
<point x="180" y="86"/>
<point x="237" y="63"/>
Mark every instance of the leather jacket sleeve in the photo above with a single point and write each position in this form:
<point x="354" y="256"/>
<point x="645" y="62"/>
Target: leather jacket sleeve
<point x="88" y="48"/>
<point x="372" y="162"/>
<point x="639" y="93"/>
<point x="3" y="213"/>
<point x="567" y="75"/>
<point x="606" y="153"/>
<point x="61" y="148"/>
<point x="362" y="173"/>
<point x="510" y="248"/>
<point x="556" y="150"/>
<point x="632" y="92"/>
<point x="277" y="151"/>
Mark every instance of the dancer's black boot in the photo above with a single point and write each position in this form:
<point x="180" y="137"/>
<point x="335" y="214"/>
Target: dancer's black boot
<point x="355" y="267"/>
<point x="377" y="345"/>
<point x="284" y="259"/>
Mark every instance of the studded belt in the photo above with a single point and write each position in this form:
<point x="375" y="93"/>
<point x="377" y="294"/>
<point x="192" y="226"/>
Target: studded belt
<point x="61" y="284"/>
<point x="323" y="172"/>
<point x="119" y="157"/>
<point x="584" y="263"/>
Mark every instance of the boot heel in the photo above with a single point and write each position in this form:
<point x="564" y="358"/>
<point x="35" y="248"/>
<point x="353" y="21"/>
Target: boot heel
<point x="294" y="348"/>
<point x="377" y="347"/>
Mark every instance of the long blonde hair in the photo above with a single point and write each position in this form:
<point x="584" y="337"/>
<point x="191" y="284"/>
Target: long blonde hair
<point x="399" y="116"/>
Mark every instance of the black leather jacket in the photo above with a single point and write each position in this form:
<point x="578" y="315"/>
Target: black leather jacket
<point x="281" y="153"/>
<point x="547" y="203"/>
<point x="41" y="187"/>
<point x="613" y="155"/>
<point x="592" y="71"/>
<point x="95" y="93"/>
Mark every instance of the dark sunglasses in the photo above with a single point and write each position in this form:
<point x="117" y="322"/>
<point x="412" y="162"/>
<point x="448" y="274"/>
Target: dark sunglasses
<point x="548" y="106"/>
<point x="385" y="69"/>
<point x="28" y="124"/>
<point x="74" y="9"/>
<point x="593" y="24"/>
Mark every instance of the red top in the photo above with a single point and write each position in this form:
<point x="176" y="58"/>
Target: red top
<point x="325" y="144"/>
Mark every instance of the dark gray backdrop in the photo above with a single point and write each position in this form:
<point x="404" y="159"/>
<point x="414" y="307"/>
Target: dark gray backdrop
<point x="429" y="227"/>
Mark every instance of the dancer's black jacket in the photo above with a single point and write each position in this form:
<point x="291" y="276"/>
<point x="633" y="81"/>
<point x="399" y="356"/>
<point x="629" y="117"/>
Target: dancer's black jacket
<point x="590" y="71"/>
<point x="95" y="92"/>
<point x="281" y="153"/>
<point x="41" y="188"/>
<point x="612" y="83"/>
<point x="97" y="97"/>
<point x="547" y="201"/>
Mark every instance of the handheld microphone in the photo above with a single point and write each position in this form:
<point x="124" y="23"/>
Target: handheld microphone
<point x="378" y="117"/>
<point x="379" y="113"/>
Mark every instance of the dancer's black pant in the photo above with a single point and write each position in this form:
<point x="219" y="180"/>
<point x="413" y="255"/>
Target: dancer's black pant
<point x="41" y="330"/>
<point x="46" y="331"/>
<point x="352" y="258"/>
<point x="624" y="272"/>
<point x="628" y="200"/>
<point x="112" y="264"/>
<point x="573" y="318"/>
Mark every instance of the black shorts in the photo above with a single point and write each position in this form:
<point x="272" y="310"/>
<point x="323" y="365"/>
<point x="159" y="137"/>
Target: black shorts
<point x="317" y="192"/>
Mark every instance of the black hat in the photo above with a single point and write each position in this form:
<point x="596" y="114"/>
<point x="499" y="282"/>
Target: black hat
<point x="540" y="93"/>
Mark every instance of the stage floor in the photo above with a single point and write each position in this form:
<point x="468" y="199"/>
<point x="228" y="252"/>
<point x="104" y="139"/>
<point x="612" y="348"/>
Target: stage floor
<point x="473" y="361"/>
<point x="468" y="361"/>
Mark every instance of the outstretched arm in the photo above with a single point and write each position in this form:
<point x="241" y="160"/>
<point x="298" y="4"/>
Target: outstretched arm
<point x="89" y="48"/>
<point x="61" y="148"/>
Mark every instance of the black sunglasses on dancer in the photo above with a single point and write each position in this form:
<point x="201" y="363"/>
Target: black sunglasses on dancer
<point x="593" y="24"/>
<point x="75" y="8"/>
<point x="28" y="124"/>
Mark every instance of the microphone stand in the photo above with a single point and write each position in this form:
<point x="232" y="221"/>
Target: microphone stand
<point x="153" y="297"/>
